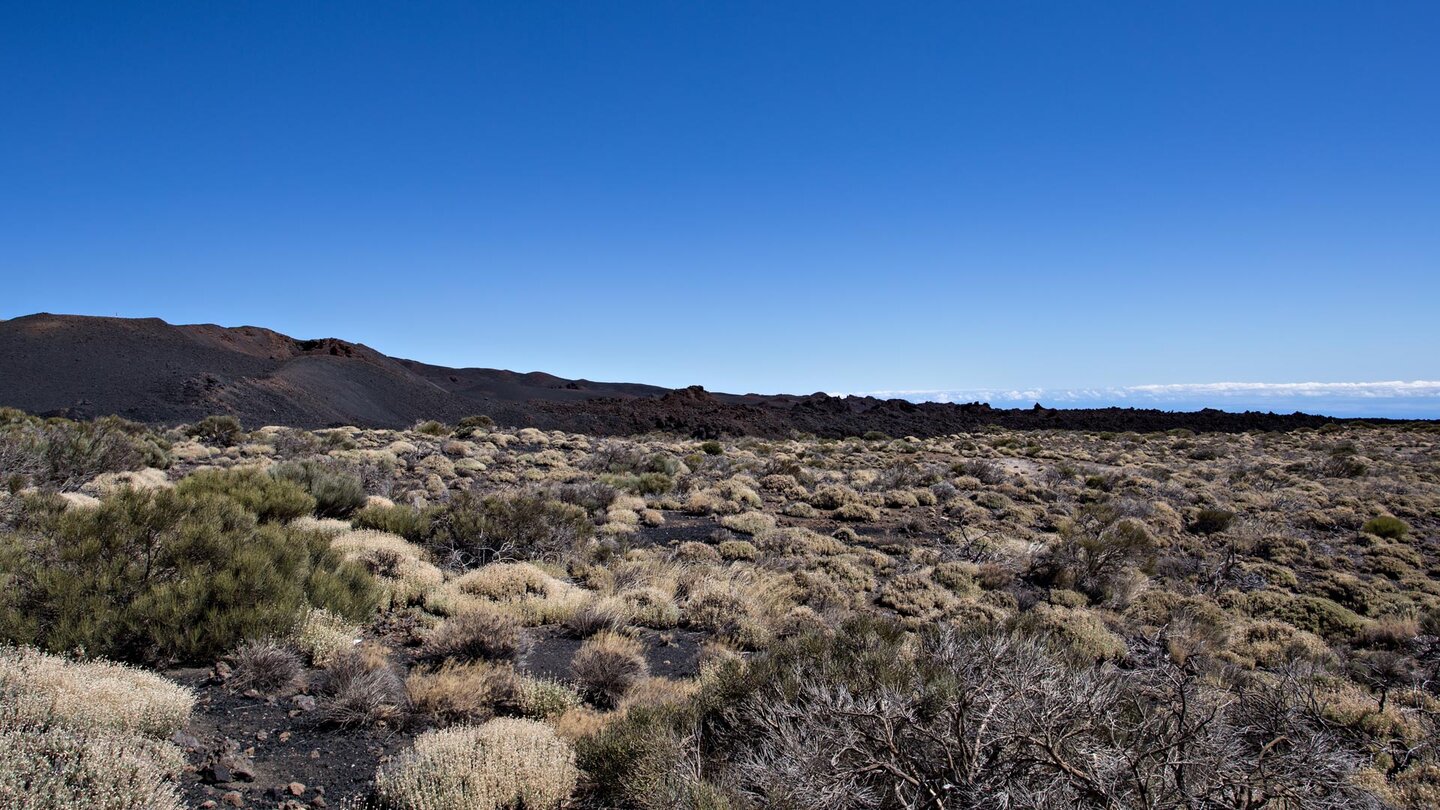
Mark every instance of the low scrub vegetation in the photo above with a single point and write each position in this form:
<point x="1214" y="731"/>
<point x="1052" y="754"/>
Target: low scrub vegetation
<point x="502" y="764"/>
<point x="87" y="734"/>
<point x="182" y="574"/>
<point x="480" y="616"/>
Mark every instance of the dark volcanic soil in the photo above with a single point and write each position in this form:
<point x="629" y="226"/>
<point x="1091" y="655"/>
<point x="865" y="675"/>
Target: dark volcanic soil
<point x="278" y="745"/>
<point x="150" y="371"/>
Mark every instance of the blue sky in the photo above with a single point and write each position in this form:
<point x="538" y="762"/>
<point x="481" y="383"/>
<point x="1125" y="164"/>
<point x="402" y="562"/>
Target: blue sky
<point x="848" y="197"/>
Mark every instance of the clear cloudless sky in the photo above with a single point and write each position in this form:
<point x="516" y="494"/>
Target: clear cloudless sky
<point x="753" y="196"/>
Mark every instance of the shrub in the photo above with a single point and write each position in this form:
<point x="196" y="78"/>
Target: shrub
<point x="463" y="692"/>
<point x="596" y="617"/>
<point x="265" y="666"/>
<point x="833" y="496"/>
<point x="87" y="734"/>
<point x="166" y="574"/>
<point x="857" y="512"/>
<point x="360" y="690"/>
<point x="985" y="471"/>
<point x="430" y="427"/>
<point x="61" y="769"/>
<point x="44" y="690"/>
<point x="749" y="522"/>
<point x="643" y="760"/>
<point x="1387" y="526"/>
<point x="505" y="763"/>
<point x="64" y="454"/>
<point x="797" y="541"/>
<point x="915" y="595"/>
<point x="473" y="530"/>
<point x="476" y="635"/>
<point x="696" y="552"/>
<point x="220" y="430"/>
<point x="542" y="698"/>
<point x="650" y="483"/>
<point x="1094" y="556"/>
<point x="649" y="607"/>
<point x="712" y="448"/>
<point x="405" y="576"/>
<point x="865" y="718"/>
<point x="270" y="499"/>
<point x="1072" y="632"/>
<point x="337" y="493"/>
<point x="738" y="550"/>
<point x="1314" y="614"/>
<point x="1211" y="521"/>
<point x="471" y="425"/>
<point x="323" y="636"/>
<point x="408" y="522"/>
<point x="607" y="665"/>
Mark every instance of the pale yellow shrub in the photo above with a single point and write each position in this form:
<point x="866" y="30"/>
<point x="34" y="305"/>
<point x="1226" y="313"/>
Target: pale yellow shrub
<point x="401" y="568"/>
<point x="799" y="542"/>
<point x="503" y="763"/>
<point x="749" y="522"/>
<point x="112" y="482"/>
<point x="327" y="527"/>
<point x="40" y="689"/>
<point x="740" y="490"/>
<point x="322" y="636"/>
<point x="648" y="607"/>
<point x="61" y="769"/>
<point x="87" y="734"/>
<point x="521" y="590"/>
<point x="581" y="722"/>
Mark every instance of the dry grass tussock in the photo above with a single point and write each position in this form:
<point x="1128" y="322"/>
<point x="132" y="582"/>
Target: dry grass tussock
<point x="501" y="764"/>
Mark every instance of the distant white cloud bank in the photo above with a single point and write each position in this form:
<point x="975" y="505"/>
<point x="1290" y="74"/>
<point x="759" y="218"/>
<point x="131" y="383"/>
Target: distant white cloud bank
<point x="1402" y="398"/>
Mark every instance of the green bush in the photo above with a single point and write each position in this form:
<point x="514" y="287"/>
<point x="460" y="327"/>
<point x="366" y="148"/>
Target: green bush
<point x="472" y="530"/>
<point x="712" y="448"/>
<point x="650" y="483"/>
<point x="1094" y="555"/>
<point x="1387" y="526"/>
<point x="164" y="575"/>
<point x="1314" y="614"/>
<point x="269" y="498"/>
<point x="221" y="430"/>
<point x="1211" y="521"/>
<point x="408" y="522"/>
<point x="64" y="454"/>
<point x="639" y="761"/>
<point x="471" y="425"/>
<point x="431" y="427"/>
<point x="337" y="493"/>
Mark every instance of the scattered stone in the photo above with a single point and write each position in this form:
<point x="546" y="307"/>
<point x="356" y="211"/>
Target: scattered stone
<point x="208" y="804"/>
<point x="233" y="798"/>
<point x="296" y="789"/>
<point x="216" y="772"/>
<point x="186" y="742"/>
<point x="262" y="736"/>
<point x="304" y="703"/>
<point x="319" y="801"/>
<point x="285" y="736"/>
<point x="227" y="764"/>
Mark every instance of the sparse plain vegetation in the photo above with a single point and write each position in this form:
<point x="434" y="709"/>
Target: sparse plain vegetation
<point x="487" y="617"/>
